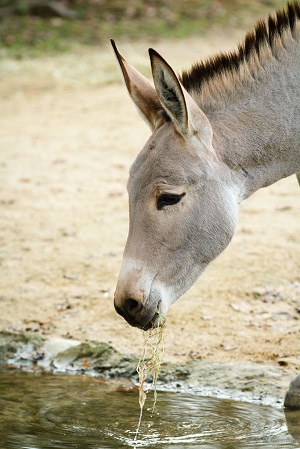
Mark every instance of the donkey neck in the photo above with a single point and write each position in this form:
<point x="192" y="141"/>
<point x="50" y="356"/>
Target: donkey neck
<point x="252" y="98"/>
<point x="257" y="125"/>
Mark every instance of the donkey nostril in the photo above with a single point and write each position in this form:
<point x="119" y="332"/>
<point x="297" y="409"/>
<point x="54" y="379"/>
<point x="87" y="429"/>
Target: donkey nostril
<point x="131" y="305"/>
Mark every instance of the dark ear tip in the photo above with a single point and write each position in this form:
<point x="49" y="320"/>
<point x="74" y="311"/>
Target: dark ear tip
<point x="114" y="45"/>
<point x="153" y="53"/>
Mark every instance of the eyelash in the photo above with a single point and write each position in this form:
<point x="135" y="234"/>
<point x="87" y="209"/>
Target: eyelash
<point x="168" y="199"/>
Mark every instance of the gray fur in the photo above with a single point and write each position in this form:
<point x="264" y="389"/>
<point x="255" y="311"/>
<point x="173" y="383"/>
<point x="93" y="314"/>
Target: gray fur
<point x="217" y="146"/>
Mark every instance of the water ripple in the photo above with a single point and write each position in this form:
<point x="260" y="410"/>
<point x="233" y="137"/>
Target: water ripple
<point x="66" y="412"/>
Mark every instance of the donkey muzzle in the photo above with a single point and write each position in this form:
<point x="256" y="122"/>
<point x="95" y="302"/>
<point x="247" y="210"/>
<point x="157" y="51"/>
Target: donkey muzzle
<point x="136" y="311"/>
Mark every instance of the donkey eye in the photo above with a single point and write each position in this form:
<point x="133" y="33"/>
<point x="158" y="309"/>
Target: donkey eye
<point x="168" y="199"/>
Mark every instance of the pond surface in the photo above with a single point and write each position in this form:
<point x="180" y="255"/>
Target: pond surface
<point x="44" y="411"/>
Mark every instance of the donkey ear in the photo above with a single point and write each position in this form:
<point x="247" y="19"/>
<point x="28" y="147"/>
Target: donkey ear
<point x="141" y="91"/>
<point x="169" y="91"/>
<point x="180" y="106"/>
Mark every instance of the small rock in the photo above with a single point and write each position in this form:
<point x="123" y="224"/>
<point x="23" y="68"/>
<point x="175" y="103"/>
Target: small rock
<point x="292" y="398"/>
<point x="250" y="385"/>
<point x="207" y="317"/>
<point x="227" y="347"/>
<point x="235" y="307"/>
<point x="70" y="276"/>
<point x="282" y="363"/>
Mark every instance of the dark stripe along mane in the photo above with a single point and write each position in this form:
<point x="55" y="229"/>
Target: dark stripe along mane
<point x="264" y="33"/>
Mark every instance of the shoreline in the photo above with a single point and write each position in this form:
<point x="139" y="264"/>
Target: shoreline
<point x="248" y="382"/>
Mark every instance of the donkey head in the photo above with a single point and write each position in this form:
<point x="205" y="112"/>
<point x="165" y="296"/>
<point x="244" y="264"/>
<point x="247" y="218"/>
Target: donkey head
<point x="182" y="206"/>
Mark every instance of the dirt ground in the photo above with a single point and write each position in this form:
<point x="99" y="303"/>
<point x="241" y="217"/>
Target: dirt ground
<point x="69" y="133"/>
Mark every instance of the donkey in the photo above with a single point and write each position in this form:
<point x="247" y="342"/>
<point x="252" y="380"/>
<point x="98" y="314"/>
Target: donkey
<point x="220" y="131"/>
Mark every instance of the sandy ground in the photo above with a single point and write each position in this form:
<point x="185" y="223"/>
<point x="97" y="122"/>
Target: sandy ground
<point x="68" y="136"/>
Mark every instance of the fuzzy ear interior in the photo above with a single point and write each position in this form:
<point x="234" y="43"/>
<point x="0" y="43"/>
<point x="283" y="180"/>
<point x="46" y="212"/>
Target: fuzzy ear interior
<point x="169" y="91"/>
<point x="141" y="91"/>
<point x="186" y="115"/>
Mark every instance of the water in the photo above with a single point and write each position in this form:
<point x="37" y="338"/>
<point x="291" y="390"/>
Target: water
<point x="61" y="412"/>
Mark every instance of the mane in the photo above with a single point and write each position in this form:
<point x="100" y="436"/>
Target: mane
<point x="263" y="40"/>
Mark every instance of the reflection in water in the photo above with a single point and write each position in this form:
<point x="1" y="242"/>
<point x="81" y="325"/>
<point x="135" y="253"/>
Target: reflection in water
<point x="293" y="423"/>
<point x="53" y="412"/>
